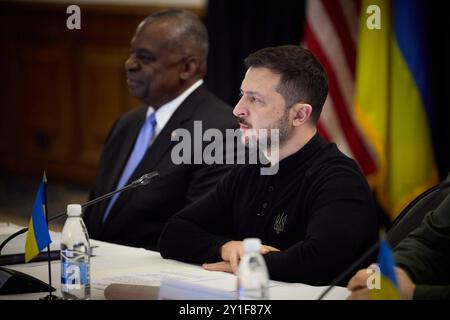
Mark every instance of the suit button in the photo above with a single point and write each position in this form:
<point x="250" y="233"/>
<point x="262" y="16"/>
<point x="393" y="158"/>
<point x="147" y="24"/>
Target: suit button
<point x="264" y="205"/>
<point x="271" y="188"/>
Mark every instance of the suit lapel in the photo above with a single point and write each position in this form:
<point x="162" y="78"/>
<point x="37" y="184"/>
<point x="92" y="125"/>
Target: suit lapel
<point x="126" y="149"/>
<point x="163" y="143"/>
<point x="160" y="146"/>
<point x="122" y="152"/>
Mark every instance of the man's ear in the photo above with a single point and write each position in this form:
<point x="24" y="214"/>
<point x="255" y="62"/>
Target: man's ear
<point x="190" y="65"/>
<point x="301" y="113"/>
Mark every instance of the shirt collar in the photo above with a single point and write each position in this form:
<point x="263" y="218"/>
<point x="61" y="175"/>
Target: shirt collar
<point x="306" y="152"/>
<point x="166" y="111"/>
<point x="299" y="159"/>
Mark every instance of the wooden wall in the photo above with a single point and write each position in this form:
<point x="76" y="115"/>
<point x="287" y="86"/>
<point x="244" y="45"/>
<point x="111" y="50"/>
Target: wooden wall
<point x="60" y="89"/>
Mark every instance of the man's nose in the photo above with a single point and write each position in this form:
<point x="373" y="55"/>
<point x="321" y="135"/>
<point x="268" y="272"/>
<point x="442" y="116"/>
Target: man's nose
<point x="240" y="110"/>
<point x="131" y="64"/>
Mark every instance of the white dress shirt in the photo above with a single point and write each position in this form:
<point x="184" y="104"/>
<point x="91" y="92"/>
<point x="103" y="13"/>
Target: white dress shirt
<point x="166" y="111"/>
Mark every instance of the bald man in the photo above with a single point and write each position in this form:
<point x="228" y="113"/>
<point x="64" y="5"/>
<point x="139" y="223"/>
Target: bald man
<point x="165" y="72"/>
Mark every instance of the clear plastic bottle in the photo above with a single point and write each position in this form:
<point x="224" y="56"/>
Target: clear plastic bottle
<point x="253" y="277"/>
<point x="75" y="256"/>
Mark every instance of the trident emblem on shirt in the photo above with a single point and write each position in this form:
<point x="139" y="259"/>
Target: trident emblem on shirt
<point x="280" y="222"/>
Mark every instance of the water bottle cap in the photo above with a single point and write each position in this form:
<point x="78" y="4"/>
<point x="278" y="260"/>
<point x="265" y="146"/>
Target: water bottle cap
<point x="252" y="244"/>
<point x="73" y="210"/>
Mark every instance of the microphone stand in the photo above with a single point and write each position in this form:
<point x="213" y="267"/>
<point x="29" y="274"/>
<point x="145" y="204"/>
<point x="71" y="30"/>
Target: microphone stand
<point x="145" y="179"/>
<point x="352" y="268"/>
<point x="11" y="281"/>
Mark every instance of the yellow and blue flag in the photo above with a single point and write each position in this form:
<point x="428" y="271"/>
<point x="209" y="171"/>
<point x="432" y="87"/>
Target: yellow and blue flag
<point x="388" y="280"/>
<point x="38" y="236"/>
<point x="393" y="102"/>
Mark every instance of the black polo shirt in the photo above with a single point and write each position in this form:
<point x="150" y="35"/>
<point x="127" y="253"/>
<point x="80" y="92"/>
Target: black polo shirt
<point x="317" y="209"/>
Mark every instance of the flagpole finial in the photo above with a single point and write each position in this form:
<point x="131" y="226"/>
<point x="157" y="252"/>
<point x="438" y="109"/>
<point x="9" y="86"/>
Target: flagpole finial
<point x="44" y="177"/>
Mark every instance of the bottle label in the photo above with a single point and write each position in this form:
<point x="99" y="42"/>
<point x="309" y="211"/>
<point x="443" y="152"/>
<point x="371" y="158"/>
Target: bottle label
<point x="74" y="275"/>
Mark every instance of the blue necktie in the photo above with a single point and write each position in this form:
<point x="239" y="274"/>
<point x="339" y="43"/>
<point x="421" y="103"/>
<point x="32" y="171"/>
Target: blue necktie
<point x="140" y="147"/>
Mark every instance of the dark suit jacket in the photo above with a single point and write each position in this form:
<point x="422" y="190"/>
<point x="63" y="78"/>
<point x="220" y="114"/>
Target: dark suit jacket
<point x="138" y="216"/>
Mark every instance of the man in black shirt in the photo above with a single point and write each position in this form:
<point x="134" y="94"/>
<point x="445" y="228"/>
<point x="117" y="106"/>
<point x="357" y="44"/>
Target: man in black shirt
<point x="315" y="215"/>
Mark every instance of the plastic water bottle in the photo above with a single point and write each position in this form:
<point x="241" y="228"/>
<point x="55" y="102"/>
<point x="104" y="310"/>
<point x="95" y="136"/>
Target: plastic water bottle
<point x="75" y="256"/>
<point x="253" y="277"/>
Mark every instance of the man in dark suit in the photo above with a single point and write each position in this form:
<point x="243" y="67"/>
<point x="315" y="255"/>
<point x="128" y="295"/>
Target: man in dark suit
<point x="165" y="69"/>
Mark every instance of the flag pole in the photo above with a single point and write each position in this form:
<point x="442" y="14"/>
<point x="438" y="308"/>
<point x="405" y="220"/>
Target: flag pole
<point x="50" y="294"/>
<point x="44" y="179"/>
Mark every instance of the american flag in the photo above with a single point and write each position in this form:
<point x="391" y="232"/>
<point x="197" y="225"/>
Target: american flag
<point x="331" y="33"/>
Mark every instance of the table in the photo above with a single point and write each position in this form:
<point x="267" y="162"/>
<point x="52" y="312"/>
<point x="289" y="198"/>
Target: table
<point x="114" y="263"/>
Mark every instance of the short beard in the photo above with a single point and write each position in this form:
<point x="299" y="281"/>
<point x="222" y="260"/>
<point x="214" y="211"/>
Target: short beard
<point x="262" y="138"/>
<point x="283" y="126"/>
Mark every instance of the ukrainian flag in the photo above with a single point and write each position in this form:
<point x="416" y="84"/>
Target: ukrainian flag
<point x="388" y="282"/>
<point x="38" y="236"/>
<point x="392" y="101"/>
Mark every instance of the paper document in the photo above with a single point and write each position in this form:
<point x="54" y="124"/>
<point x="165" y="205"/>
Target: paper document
<point x="153" y="279"/>
<point x="221" y="281"/>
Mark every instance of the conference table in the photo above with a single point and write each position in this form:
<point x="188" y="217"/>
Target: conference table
<point x="121" y="272"/>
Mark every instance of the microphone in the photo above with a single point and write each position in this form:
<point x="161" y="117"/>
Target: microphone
<point x="12" y="282"/>
<point x="142" y="181"/>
